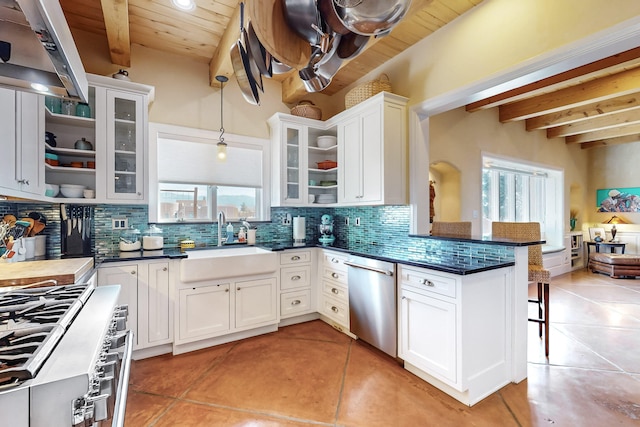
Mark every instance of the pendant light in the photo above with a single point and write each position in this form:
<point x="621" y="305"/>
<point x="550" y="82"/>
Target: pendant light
<point x="222" y="146"/>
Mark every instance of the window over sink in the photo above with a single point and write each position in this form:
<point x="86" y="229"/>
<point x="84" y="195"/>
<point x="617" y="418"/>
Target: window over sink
<point x="189" y="184"/>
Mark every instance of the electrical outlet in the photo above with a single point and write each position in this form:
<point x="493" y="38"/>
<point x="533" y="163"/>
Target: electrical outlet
<point x="346" y="220"/>
<point x="286" y="220"/>
<point x="358" y="222"/>
<point x="119" y="223"/>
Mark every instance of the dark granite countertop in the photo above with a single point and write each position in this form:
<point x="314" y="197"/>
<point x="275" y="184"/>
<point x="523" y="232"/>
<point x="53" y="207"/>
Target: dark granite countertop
<point x="487" y="240"/>
<point x="462" y="265"/>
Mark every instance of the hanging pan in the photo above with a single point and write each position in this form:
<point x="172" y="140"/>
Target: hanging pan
<point x="241" y="62"/>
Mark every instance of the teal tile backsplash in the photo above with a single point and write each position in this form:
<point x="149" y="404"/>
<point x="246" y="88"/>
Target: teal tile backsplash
<point x="384" y="226"/>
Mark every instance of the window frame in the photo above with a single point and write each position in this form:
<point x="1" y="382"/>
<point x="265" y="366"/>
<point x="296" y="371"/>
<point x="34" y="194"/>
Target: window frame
<point x="161" y="130"/>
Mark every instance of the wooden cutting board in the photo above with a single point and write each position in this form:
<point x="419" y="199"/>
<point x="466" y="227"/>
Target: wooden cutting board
<point x="267" y="18"/>
<point x="65" y="271"/>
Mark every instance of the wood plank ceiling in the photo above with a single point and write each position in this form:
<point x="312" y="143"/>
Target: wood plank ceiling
<point x="207" y="33"/>
<point x="595" y="105"/>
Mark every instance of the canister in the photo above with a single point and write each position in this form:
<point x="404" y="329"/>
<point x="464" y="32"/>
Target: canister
<point x="152" y="239"/>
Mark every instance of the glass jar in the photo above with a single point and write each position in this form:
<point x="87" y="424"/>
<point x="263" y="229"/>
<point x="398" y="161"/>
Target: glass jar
<point x="68" y="108"/>
<point x="130" y="240"/>
<point x="83" y="110"/>
<point x="152" y="239"/>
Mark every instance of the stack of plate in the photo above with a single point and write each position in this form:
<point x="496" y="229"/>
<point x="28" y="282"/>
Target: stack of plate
<point x="326" y="198"/>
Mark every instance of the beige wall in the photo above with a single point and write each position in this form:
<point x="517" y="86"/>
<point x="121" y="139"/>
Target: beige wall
<point x="616" y="166"/>
<point x="460" y="138"/>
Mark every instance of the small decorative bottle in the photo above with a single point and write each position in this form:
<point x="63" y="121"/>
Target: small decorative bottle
<point x="229" y="233"/>
<point x="242" y="237"/>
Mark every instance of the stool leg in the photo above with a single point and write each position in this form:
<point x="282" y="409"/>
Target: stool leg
<point x="546" y="319"/>
<point x="540" y="302"/>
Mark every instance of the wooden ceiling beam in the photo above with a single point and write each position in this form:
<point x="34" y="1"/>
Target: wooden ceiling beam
<point x="597" y="123"/>
<point x="586" y="112"/>
<point x="116" y="22"/>
<point x="220" y="63"/>
<point x="508" y="96"/>
<point x="611" y="141"/>
<point x="623" y="83"/>
<point x="603" y="134"/>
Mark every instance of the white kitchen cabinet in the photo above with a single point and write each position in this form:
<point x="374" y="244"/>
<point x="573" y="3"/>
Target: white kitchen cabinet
<point x="296" y="283"/>
<point x="118" y="131"/>
<point x="145" y="288"/>
<point x="295" y="165"/>
<point x="256" y="302"/>
<point x="157" y="312"/>
<point x="22" y="124"/>
<point x="455" y="331"/>
<point x="372" y="152"/>
<point x="125" y="275"/>
<point x="204" y="312"/>
<point x="334" y="291"/>
<point x="213" y="308"/>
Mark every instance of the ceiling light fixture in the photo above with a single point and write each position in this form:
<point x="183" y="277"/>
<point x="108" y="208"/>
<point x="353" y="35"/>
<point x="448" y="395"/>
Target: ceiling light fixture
<point x="222" y="146"/>
<point x="184" y="4"/>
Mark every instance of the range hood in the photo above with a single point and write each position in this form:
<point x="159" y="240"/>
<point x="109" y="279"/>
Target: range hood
<point x="36" y="47"/>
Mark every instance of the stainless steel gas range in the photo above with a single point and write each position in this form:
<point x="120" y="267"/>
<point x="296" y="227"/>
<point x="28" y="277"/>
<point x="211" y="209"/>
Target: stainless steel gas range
<point x="65" y="356"/>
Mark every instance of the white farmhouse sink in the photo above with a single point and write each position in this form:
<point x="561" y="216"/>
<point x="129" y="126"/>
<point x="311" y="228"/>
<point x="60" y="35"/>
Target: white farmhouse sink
<point x="209" y="264"/>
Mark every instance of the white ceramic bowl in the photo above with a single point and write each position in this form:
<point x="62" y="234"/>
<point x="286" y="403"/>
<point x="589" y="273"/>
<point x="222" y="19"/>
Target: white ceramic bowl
<point x="89" y="193"/>
<point x="72" y="191"/>
<point x="326" y="141"/>
<point x="52" y="190"/>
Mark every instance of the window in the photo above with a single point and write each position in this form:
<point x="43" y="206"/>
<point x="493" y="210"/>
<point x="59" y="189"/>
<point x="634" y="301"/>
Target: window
<point x="189" y="202"/>
<point x="188" y="184"/>
<point x="516" y="191"/>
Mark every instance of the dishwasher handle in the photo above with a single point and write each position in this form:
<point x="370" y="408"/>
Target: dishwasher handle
<point x="366" y="267"/>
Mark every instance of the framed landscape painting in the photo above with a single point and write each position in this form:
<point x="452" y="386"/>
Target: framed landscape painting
<point x="618" y="199"/>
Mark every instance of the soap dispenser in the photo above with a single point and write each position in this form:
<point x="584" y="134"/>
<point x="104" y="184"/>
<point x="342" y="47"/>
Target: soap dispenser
<point x="229" y="233"/>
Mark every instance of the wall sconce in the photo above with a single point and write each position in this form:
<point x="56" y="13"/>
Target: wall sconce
<point x="222" y="146"/>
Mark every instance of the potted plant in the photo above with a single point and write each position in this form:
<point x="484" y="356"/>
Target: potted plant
<point x="573" y="218"/>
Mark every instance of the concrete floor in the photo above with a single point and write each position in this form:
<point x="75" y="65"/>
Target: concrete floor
<point x="310" y="374"/>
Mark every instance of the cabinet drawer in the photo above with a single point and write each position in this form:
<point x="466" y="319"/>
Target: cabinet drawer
<point x="295" y="277"/>
<point x="335" y="261"/>
<point x="335" y="275"/>
<point x="335" y="310"/>
<point x="297" y="257"/>
<point x="334" y="291"/>
<point x="295" y="302"/>
<point x="428" y="281"/>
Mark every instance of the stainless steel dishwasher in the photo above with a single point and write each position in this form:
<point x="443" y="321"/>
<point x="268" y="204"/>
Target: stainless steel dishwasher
<point x="372" y="302"/>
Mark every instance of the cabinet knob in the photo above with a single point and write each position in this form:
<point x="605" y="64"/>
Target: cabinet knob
<point x="133" y="272"/>
<point x="335" y="291"/>
<point x="295" y="258"/>
<point x="139" y="193"/>
<point x="296" y="277"/>
<point x="334" y="309"/>
<point x="335" y="275"/>
<point x="295" y="302"/>
<point x="164" y="269"/>
<point x="335" y="261"/>
<point x="237" y="289"/>
<point x="226" y="290"/>
<point x="427" y="282"/>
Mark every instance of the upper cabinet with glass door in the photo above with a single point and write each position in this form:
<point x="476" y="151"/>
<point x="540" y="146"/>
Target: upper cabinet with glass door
<point x="125" y="133"/>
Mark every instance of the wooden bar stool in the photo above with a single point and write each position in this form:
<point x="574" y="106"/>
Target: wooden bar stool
<point x="458" y="229"/>
<point x="537" y="273"/>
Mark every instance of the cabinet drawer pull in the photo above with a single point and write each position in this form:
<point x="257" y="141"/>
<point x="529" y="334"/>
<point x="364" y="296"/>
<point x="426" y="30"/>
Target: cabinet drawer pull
<point x="335" y="275"/>
<point x="334" y="309"/>
<point x="296" y="277"/>
<point x="295" y="258"/>
<point x="335" y="291"/>
<point x="23" y="181"/>
<point x="427" y="282"/>
<point x="335" y="261"/>
<point x="295" y="302"/>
